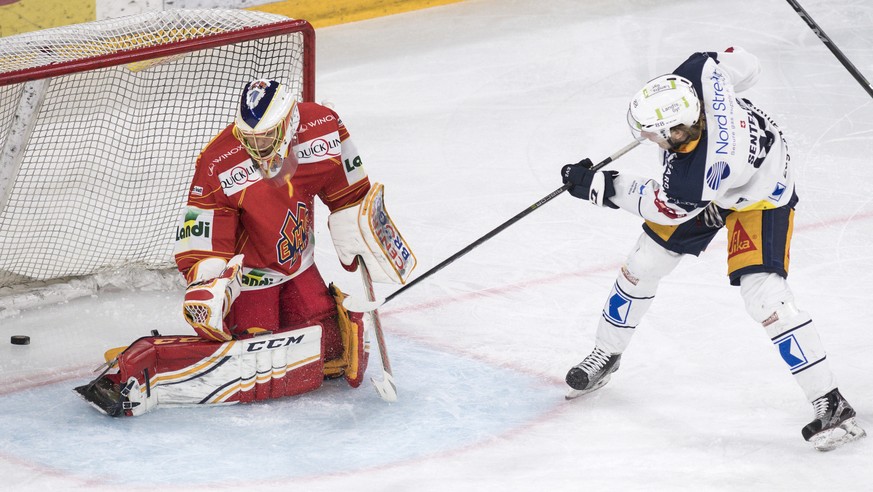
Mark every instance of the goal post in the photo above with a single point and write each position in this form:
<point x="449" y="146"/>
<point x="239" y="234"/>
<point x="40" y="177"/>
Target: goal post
<point x="101" y="124"/>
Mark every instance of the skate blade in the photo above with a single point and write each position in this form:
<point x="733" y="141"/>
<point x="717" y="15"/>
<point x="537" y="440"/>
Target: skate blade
<point x="831" y="439"/>
<point x="574" y="393"/>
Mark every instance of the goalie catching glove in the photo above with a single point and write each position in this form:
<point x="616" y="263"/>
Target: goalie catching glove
<point x="594" y="186"/>
<point x="216" y="285"/>
<point x="366" y="230"/>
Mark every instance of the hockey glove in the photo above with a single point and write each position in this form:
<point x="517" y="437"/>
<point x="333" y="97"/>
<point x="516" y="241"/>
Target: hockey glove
<point x="209" y="296"/>
<point x="594" y="186"/>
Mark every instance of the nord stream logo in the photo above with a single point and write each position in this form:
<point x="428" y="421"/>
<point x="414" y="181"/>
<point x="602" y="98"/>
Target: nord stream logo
<point x="715" y="174"/>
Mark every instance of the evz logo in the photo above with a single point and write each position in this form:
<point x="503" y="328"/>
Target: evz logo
<point x="791" y="352"/>
<point x="294" y="235"/>
<point x="617" y="307"/>
<point x="778" y="191"/>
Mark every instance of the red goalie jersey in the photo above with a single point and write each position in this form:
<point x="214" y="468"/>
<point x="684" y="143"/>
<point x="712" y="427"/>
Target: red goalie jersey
<point x="232" y="209"/>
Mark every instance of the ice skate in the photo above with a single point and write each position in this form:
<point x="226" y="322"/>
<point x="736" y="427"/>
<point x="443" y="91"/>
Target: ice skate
<point x="592" y="373"/>
<point x="834" y="423"/>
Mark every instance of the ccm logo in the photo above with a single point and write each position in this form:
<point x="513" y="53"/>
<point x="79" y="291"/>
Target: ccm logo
<point x="164" y="341"/>
<point x="274" y="343"/>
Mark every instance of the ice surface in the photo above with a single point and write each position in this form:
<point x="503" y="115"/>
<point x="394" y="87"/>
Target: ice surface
<point x="466" y="113"/>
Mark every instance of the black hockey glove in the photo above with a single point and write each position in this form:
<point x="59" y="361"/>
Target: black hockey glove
<point x="594" y="186"/>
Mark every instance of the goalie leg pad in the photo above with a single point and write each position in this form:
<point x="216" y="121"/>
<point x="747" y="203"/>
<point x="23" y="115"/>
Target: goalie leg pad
<point x="182" y="371"/>
<point x="356" y="344"/>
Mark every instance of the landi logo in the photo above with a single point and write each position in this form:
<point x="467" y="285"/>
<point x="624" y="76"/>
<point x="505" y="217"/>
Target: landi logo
<point x="257" y="278"/>
<point x="195" y="224"/>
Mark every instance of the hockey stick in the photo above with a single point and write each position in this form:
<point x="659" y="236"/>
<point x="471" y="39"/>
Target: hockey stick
<point x="386" y="388"/>
<point x="831" y="46"/>
<point x="353" y="304"/>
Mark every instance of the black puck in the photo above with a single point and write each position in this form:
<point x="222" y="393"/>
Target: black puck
<point x="20" y="340"/>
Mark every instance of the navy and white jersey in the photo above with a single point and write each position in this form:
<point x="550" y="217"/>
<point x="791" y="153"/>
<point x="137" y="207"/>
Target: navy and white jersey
<point x="740" y="162"/>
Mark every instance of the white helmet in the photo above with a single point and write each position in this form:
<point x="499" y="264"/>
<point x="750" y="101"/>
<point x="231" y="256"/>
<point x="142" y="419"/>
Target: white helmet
<point x="266" y="125"/>
<point x="664" y="102"/>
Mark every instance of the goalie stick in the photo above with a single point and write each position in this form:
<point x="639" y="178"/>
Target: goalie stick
<point x="386" y="387"/>
<point x="353" y="304"/>
<point x="831" y="46"/>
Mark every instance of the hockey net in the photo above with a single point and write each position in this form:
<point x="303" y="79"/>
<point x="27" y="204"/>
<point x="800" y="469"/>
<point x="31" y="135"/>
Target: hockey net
<point x="100" y="126"/>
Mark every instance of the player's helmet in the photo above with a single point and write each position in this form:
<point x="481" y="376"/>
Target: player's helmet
<point x="266" y="126"/>
<point x="665" y="102"/>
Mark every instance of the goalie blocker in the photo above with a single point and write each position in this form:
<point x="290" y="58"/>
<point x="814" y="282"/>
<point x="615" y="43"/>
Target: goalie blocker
<point x="367" y="231"/>
<point x="188" y="370"/>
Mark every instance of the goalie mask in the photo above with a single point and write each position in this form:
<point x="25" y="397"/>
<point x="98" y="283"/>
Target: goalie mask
<point x="266" y="126"/>
<point x="664" y="103"/>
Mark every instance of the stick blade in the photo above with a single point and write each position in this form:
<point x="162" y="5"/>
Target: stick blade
<point x="386" y="388"/>
<point x="359" y="305"/>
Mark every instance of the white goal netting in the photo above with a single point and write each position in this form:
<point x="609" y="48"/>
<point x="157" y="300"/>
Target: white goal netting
<point x="101" y="123"/>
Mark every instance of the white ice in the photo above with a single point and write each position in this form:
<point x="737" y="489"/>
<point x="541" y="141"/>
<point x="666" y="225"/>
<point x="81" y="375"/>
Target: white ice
<point x="466" y="112"/>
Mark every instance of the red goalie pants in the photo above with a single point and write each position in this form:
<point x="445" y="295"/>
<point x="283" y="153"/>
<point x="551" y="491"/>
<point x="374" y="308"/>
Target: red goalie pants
<point x="302" y="301"/>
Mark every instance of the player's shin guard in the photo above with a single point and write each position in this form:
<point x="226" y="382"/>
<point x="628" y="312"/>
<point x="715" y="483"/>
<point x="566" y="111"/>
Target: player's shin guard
<point x="633" y="293"/>
<point x="625" y="307"/>
<point x="796" y="339"/>
<point x="769" y="301"/>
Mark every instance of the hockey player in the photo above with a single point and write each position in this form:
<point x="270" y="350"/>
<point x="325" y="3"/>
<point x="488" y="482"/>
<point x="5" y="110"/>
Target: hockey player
<point x="726" y="164"/>
<point x="267" y="324"/>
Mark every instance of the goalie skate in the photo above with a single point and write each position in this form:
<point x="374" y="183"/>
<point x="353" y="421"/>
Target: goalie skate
<point x="106" y="396"/>
<point x="592" y="373"/>
<point x="834" y="423"/>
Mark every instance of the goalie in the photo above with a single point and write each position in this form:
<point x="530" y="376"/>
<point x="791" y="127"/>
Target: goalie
<point x="267" y="325"/>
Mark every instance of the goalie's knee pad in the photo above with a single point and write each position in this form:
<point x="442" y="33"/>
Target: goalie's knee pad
<point x="356" y="345"/>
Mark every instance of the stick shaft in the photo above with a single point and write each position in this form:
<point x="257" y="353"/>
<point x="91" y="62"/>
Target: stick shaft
<point x="377" y="322"/>
<point x="831" y="46"/>
<point x="503" y="226"/>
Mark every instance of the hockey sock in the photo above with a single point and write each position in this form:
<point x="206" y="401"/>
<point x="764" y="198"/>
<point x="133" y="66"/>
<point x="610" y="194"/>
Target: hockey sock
<point x="769" y="301"/>
<point x="625" y="307"/>
<point x="633" y="293"/>
<point x="796" y="338"/>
